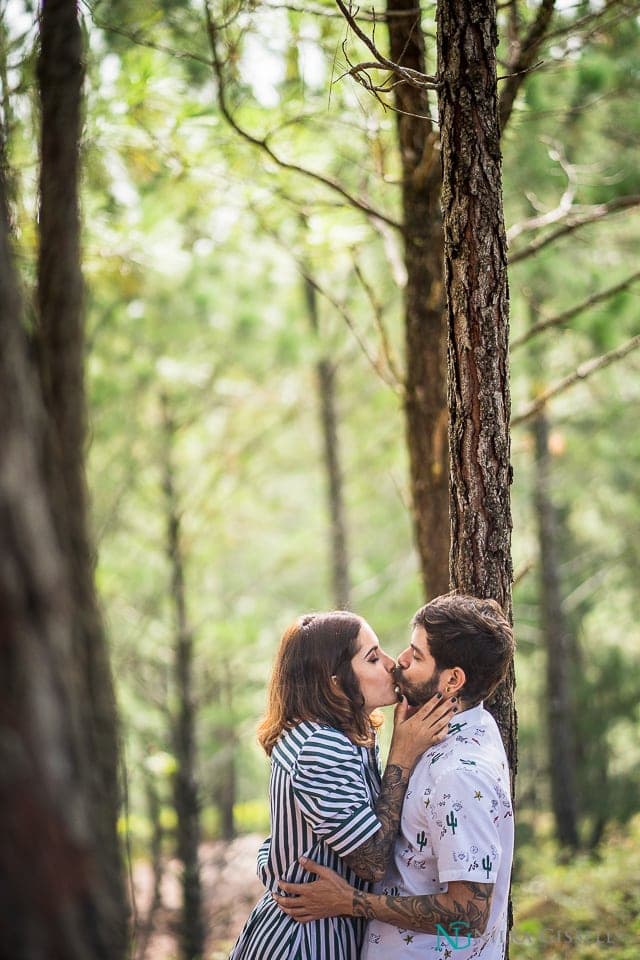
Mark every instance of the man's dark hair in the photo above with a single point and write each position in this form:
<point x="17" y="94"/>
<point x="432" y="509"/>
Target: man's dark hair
<point x="472" y="634"/>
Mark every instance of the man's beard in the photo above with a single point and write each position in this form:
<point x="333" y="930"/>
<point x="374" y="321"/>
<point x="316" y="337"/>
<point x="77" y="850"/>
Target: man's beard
<point x="419" y="693"/>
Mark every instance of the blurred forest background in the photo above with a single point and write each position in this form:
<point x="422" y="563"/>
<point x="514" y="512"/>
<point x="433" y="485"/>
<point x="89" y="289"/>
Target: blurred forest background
<point x="247" y="379"/>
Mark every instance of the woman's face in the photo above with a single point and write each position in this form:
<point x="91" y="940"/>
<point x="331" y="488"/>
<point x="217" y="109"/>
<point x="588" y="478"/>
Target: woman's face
<point x="372" y="666"/>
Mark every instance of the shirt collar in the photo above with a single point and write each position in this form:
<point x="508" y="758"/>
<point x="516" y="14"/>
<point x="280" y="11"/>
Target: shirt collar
<point x="471" y="715"/>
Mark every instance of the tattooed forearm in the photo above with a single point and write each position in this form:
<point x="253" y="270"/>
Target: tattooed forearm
<point x="370" y="860"/>
<point x="361" y="907"/>
<point x="464" y="901"/>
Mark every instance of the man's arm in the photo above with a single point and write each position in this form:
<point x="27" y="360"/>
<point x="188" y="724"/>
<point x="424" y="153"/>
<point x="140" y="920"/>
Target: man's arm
<point x="331" y="896"/>
<point x="465" y="901"/>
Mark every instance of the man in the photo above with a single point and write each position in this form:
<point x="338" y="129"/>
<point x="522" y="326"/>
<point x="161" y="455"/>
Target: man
<point x="444" y="894"/>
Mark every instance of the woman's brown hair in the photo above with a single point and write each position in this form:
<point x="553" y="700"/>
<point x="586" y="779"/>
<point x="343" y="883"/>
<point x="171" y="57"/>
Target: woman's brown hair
<point x="313" y="679"/>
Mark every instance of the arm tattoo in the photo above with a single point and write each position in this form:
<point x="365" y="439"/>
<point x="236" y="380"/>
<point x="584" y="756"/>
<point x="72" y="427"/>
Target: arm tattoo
<point x="370" y="859"/>
<point x="361" y="907"/>
<point x="468" y="902"/>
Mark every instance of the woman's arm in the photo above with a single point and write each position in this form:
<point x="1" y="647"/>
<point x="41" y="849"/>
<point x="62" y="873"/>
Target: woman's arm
<point x="412" y="735"/>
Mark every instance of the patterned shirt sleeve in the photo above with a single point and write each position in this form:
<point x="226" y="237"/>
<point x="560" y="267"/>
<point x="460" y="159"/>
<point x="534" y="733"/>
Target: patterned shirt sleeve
<point x="329" y="787"/>
<point x="464" y="808"/>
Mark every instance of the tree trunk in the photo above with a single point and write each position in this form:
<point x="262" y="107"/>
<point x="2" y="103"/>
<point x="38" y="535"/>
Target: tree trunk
<point x="559" y="651"/>
<point x="426" y="413"/>
<point x="7" y="120"/>
<point x="478" y="319"/>
<point x="325" y="373"/>
<point x="227" y="788"/>
<point x="60" y="347"/>
<point x="226" y="734"/>
<point x="55" y="899"/>
<point x="157" y="835"/>
<point x="184" y="736"/>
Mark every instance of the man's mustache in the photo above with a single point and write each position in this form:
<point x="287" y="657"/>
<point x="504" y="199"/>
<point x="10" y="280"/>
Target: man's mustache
<point x="397" y="673"/>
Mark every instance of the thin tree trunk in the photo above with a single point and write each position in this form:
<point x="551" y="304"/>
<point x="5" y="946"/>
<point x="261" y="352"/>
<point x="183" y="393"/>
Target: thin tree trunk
<point x="559" y="651"/>
<point x="227" y="788"/>
<point x="325" y="373"/>
<point x="426" y="413"/>
<point x="477" y="297"/>
<point x="478" y="319"/>
<point x="226" y="755"/>
<point x="157" y="834"/>
<point x="53" y="893"/>
<point x="184" y="734"/>
<point x="7" y="117"/>
<point x="60" y="346"/>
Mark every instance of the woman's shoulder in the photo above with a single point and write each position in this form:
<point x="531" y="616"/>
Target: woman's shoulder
<point x="312" y="741"/>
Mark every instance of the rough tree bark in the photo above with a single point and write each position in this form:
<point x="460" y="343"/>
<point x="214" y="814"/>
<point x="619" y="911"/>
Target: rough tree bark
<point x="325" y="375"/>
<point x="478" y="315"/>
<point x="558" y="650"/>
<point x="55" y="901"/>
<point x="59" y="341"/>
<point x="478" y="321"/>
<point x="426" y="413"/>
<point x="184" y="734"/>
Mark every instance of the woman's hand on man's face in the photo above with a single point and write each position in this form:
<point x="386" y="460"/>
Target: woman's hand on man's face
<point x="415" y="730"/>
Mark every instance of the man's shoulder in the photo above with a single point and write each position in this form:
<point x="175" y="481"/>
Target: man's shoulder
<point x="473" y="749"/>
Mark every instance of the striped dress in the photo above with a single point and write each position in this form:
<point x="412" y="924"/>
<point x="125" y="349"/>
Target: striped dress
<point x="322" y="792"/>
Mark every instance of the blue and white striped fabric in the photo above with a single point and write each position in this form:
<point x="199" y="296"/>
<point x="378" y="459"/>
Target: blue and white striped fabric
<point x="322" y="792"/>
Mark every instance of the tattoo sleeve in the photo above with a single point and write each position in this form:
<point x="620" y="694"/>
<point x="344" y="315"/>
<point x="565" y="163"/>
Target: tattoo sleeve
<point x="464" y="901"/>
<point x="370" y="859"/>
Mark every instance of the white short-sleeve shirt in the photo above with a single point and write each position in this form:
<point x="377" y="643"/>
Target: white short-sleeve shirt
<point x="457" y="824"/>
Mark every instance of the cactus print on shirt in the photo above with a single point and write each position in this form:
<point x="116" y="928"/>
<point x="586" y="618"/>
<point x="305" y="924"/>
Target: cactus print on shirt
<point x="457" y="824"/>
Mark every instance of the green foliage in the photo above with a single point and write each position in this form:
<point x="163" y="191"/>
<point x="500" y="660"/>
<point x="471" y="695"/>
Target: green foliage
<point x="194" y="248"/>
<point x="584" y="909"/>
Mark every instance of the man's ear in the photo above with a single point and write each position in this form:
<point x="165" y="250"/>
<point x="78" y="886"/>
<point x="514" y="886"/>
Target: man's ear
<point x="455" y="681"/>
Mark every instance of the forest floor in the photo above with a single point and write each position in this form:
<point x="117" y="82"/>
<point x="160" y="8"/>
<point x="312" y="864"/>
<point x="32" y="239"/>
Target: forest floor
<point x="230" y="889"/>
<point x="583" y="910"/>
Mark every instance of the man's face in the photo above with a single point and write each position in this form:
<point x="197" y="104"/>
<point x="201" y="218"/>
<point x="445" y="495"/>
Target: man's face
<point x="417" y="675"/>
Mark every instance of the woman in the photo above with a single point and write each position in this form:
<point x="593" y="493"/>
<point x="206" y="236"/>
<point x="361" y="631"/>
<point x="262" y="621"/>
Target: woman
<point x="327" y="800"/>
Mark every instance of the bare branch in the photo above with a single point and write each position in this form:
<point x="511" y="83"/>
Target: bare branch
<point x="359" y="72"/>
<point x="584" y="371"/>
<point x="564" y="207"/>
<point x="317" y="10"/>
<point x="526" y="53"/>
<point x="413" y="77"/>
<point x="583" y="218"/>
<point x="378" y="311"/>
<point x="138" y="37"/>
<point x="567" y="315"/>
<point x="395" y="381"/>
<point x="594" y="18"/>
<point x="393" y="253"/>
<point x="522" y="572"/>
<point x="262" y="144"/>
<point x="391" y="381"/>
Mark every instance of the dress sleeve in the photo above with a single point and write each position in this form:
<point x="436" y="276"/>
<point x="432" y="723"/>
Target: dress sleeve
<point x="464" y="809"/>
<point x="330" y="790"/>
